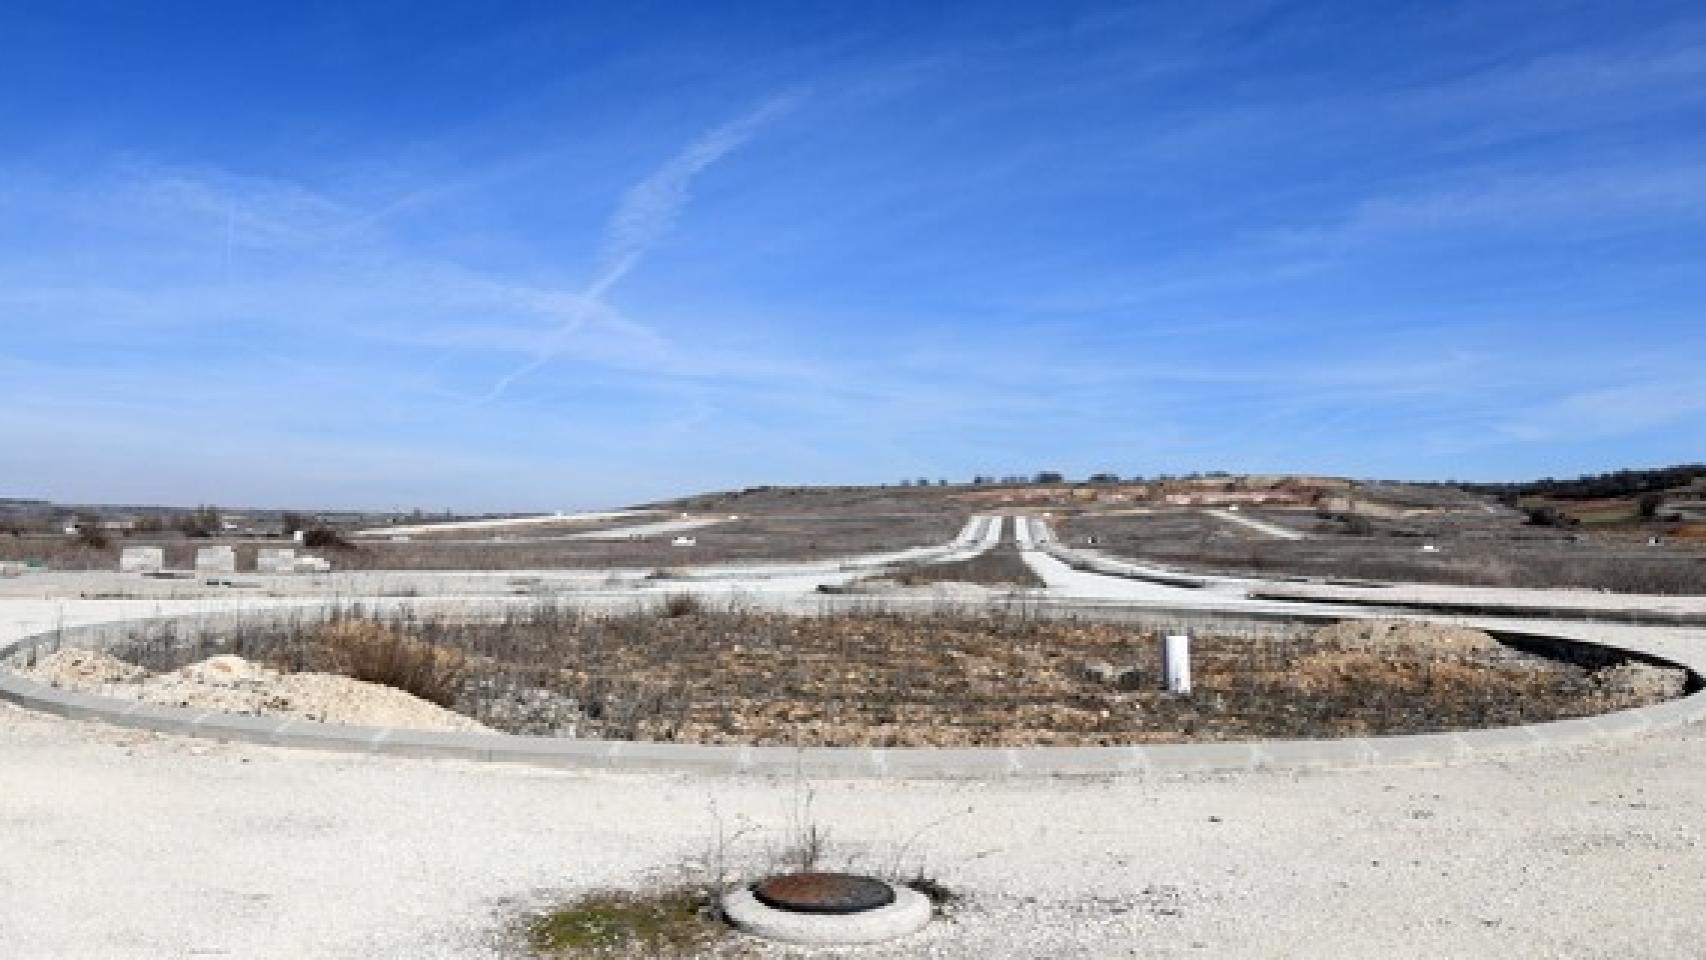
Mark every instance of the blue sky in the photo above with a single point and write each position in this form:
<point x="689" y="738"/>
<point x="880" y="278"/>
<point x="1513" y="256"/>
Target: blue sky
<point x="519" y="256"/>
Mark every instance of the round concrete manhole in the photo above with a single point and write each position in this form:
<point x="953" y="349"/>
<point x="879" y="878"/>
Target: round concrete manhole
<point x="823" y="893"/>
<point x="826" y="909"/>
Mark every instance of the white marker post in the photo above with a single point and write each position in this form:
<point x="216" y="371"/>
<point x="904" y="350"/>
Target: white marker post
<point x="1176" y="662"/>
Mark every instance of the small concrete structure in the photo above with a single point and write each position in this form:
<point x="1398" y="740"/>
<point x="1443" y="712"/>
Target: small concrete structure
<point x="908" y="912"/>
<point x="1176" y="662"/>
<point x="214" y="561"/>
<point x="142" y="560"/>
<point x="275" y="560"/>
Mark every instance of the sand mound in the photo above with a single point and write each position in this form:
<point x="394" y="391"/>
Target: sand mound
<point x="1410" y="634"/>
<point x="231" y="684"/>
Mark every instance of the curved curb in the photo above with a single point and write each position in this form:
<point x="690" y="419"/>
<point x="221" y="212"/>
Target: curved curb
<point x="909" y="913"/>
<point x="1127" y="570"/>
<point x="1537" y="611"/>
<point x="905" y="763"/>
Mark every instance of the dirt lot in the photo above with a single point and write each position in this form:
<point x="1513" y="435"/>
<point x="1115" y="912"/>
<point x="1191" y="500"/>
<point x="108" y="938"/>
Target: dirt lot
<point x="883" y="680"/>
<point x="1473" y="548"/>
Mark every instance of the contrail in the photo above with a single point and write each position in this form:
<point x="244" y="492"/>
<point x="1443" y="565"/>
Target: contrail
<point x="646" y="212"/>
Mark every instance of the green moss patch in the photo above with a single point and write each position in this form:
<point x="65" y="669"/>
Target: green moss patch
<point x="669" y="923"/>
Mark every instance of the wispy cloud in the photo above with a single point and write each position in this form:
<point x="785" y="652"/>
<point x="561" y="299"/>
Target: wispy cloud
<point x="645" y="214"/>
<point x="1607" y="411"/>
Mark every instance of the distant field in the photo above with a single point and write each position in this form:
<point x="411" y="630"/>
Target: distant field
<point x="797" y="536"/>
<point x="1473" y="548"/>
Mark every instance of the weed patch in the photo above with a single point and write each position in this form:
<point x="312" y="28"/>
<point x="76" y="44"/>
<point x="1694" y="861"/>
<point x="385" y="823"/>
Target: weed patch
<point x="948" y="680"/>
<point x="676" y="922"/>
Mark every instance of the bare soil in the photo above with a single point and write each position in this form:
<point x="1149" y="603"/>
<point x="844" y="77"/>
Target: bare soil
<point x="884" y="680"/>
<point x="1472" y="550"/>
<point x="1000" y="566"/>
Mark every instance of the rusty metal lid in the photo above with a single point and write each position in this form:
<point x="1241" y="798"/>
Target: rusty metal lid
<point x="823" y="893"/>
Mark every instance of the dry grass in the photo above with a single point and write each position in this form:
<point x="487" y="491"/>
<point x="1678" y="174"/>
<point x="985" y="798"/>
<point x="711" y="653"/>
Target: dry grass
<point x="379" y="653"/>
<point x="889" y="680"/>
<point x="1473" y="552"/>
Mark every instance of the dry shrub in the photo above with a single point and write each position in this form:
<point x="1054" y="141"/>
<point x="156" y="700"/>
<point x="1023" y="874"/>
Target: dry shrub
<point x="325" y="538"/>
<point x="378" y="653"/>
<point x="682" y="605"/>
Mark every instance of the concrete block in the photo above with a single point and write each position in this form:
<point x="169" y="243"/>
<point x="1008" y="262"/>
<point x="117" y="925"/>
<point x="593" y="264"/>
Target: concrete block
<point x="244" y="729"/>
<point x="1667" y="715"/>
<point x="340" y="737"/>
<point x="1348" y="753"/>
<point x="1421" y="748"/>
<point x="275" y="560"/>
<point x="1200" y="757"/>
<point x="142" y="560"/>
<point x="1573" y="731"/>
<point x="155" y="717"/>
<point x="954" y="763"/>
<point x="548" y="751"/>
<point x="428" y="743"/>
<point x="1075" y="761"/>
<point x="216" y="560"/>
<point x="642" y="755"/>
<point x="1522" y="738"/>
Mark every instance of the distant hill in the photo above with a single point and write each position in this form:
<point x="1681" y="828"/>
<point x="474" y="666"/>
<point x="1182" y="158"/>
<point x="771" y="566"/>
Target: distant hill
<point x="1600" y="486"/>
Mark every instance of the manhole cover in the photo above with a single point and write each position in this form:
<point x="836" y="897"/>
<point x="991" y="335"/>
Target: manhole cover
<point x="823" y="893"/>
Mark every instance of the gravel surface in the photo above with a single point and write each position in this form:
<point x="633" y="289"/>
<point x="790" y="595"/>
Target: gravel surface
<point x="227" y="850"/>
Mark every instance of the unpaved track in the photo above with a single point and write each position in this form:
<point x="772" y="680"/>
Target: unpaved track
<point x="1263" y="527"/>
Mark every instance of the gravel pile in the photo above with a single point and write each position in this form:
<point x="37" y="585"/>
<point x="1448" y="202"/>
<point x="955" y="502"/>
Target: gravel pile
<point x="1380" y="635"/>
<point x="1642" y="681"/>
<point x="234" y="685"/>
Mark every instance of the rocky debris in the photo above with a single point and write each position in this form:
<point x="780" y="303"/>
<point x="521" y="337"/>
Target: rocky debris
<point x="230" y="684"/>
<point x="1642" y="682"/>
<point x="1107" y="675"/>
<point x="83" y="670"/>
<point x="1374" y="635"/>
<point x="531" y="711"/>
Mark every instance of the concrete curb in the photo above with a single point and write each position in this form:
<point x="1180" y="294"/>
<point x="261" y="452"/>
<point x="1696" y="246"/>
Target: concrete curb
<point x="1657" y="618"/>
<point x="920" y="763"/>
<point x="909" y="913"/>
<point x="1110" y="567"/>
